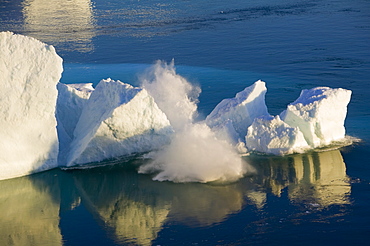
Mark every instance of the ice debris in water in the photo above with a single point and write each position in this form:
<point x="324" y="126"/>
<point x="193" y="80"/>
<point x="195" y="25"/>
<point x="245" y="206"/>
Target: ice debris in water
<point x="53" y="124"/>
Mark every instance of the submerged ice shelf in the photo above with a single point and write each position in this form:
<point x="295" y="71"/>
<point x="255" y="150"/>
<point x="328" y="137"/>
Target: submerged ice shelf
<point x="53" y="124"/>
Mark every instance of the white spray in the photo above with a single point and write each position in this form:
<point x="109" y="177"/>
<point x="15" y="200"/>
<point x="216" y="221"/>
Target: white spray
<point x="195" y="154"/>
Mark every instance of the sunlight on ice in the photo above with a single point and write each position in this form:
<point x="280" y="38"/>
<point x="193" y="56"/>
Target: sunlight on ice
<point x="29" y="72"/>
<point x="116" y="119"/>
<point x="319" y="113"/>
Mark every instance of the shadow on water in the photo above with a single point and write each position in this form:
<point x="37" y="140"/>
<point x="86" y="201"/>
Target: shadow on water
<point x="114" y="205"/>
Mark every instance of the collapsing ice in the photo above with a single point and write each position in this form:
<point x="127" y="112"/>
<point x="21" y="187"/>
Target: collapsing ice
<point x="54" y="124"/>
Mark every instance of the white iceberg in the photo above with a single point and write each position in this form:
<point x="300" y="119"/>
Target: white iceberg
<point x="239" y="112"/>
<point x="41" y="129"/>
<point x="271" y="135"/>
<point x="71" y="100"/>
<point x="319" y="113"/>
<point x="29" y="72"/>
<point x="117" y="119"/>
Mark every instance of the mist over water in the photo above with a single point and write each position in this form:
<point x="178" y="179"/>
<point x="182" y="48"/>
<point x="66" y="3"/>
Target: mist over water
<point x="195" y="154"/>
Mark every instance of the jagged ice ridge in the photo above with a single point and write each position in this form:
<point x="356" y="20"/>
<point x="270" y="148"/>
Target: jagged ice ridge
<point x="46" y="124"/>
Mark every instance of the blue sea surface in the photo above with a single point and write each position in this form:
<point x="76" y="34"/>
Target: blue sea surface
<point x="317" y="198"/>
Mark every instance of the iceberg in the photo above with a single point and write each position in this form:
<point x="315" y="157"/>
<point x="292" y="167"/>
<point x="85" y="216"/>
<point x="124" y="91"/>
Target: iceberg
<point x="117" y="119"/>
<point x="315" y="119"/>
<point x="71" y="100"/>
<point x="271" y="135"/>
<point x="233" y="116"/>
<point x="319" y="113"/>
<point x="46" y="124"/>
<point x="29" y="72"/>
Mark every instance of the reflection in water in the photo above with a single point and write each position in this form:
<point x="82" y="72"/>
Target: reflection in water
<point x="204" y="205"/>
<point x="59" y="21"/>
<point x="134" y="222"/>
<point x="135" y="209"/>
<point x="317" y="178"/>
<point x="135" y="215"/>
<point x="29" y="215"/>
<point x="321" y="178"/>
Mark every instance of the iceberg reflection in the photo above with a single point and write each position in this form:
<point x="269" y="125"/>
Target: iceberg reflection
<point x="321" y="179"/>
<point x="117" y="198"/>
<point x="316" y="178"/>
<point x="133" y="209"/>
<point x="61" y="22"/>
<point x="136" y="208"/>
<point x="30" y="215"/>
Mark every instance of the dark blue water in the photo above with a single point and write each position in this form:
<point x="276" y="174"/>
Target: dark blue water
<point x="318" y="198"/>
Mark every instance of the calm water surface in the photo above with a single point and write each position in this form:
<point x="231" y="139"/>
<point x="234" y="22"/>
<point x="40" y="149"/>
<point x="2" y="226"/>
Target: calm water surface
<point x="316" y="198"/>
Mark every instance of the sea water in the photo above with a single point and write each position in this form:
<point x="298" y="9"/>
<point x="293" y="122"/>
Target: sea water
<point x="320" y="197"/>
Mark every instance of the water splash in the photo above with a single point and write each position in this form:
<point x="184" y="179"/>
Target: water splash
<point x="194" y="154"/>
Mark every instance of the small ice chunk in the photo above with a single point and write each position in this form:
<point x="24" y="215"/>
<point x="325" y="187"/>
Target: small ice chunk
<point x="319" y="113"/>
<point x="118" y="119"/>
<point x="29" y="72"/>
<point x="271" y="135"/>
<point x="239" y="111"/>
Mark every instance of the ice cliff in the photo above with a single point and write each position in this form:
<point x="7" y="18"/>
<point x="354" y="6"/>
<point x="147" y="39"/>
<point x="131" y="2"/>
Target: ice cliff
<point x="46" y="124"/>
<point x="319" y="114"/>
<point x="29" y="72"/>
